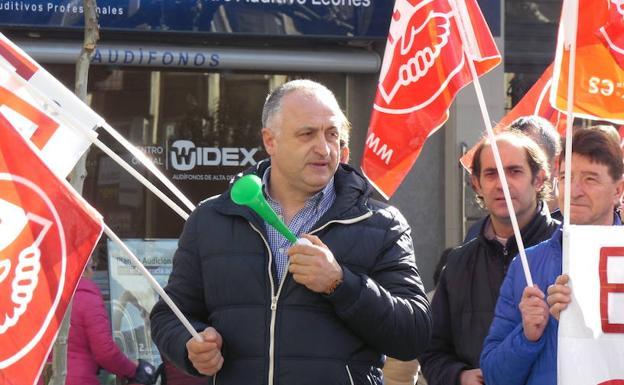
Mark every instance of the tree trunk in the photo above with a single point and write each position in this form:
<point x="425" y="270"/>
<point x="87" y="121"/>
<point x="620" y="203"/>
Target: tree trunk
<point x="77" y="176"/>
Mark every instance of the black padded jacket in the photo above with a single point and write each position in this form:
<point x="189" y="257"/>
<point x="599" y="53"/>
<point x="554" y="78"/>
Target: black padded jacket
<point x="281" y="333"/>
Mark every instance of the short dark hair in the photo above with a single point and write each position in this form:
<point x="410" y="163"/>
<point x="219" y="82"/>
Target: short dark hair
<point x="601" y="144"/>
<point x="542" y="132"/>
<point x="534" y="154"/>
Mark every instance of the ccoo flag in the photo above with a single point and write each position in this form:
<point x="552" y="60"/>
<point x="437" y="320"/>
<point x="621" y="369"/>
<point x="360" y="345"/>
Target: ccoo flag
<point x="47" y="233"/>
<point x="599" y="76"/>
<point x="424" y="67"/>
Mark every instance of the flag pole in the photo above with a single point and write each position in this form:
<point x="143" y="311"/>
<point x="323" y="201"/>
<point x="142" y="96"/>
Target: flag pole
<point x="140" y="156"/>
<point x="152" y="281"/>
<point x="572" y="23"/>
<point x="490" y="132"/>
<point x="181" y="212"/>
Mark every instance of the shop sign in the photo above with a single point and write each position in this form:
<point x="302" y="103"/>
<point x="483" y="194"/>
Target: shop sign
<point x="350" y="19"/>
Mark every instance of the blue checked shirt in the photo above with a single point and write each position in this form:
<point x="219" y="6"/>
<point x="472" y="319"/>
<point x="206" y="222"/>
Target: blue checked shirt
<point x="301" y="223"/>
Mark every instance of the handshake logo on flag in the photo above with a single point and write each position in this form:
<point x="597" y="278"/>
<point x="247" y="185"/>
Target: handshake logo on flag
<point x="414" y="52"/>
<point x="31" y="247"/>
<point x="13" y="222"/>
<point x="417" y="42"/>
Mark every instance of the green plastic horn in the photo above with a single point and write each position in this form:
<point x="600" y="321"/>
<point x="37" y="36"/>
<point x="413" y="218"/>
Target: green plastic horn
<point x="247" y="191"/>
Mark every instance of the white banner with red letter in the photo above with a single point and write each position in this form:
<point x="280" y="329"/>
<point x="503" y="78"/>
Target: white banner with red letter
<point x="591" y="330"/>
<point x="424" y="67"/>
<point x="47" y="233"/>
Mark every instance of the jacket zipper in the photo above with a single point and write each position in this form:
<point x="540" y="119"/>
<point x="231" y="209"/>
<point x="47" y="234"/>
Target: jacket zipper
<point x="343" y="221"/>
<point x="505" y="262"/>
<point x="275" y="296"/>
<point x="349" y="374"/>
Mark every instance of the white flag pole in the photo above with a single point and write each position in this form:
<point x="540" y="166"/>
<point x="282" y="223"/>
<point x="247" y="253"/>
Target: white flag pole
<point x="490" y="132"/>
<point x="569" y="29"/>
<point x="145" y="161"/>
<point x="138" y="176"/>
<point x="152" y="281"/>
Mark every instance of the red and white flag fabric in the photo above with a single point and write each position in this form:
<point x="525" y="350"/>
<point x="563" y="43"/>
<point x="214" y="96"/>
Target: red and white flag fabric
<point x="599" y="75"/>
<point x="43" y="109"/>
<point x="47" y="233"/>
<point x="591" y="330"/>
<point x="534" y="102"/>
<point x="424" y="67"/>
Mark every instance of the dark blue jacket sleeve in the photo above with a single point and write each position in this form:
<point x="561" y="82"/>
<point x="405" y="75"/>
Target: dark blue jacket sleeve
<point x="440" y="364"/>
<point x="508" y="355"/>
<point x="388" y="308"/>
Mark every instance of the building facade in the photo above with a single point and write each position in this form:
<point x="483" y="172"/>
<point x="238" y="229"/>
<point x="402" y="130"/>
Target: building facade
<point x="186" y="81"/>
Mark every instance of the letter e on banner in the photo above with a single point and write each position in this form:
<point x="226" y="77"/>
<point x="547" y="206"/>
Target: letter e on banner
<point x="612" y="289"/>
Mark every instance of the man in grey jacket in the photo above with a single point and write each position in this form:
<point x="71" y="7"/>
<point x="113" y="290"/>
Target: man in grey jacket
<point x="272" y="313"/>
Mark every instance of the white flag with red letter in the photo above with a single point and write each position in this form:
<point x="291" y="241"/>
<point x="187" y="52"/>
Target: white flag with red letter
<point x="424" y="67"/>
<point x="47" y="233"/>
<point x="598" y="70"/>
<point x="591" y="329"/>
<point x="43" y="109"/>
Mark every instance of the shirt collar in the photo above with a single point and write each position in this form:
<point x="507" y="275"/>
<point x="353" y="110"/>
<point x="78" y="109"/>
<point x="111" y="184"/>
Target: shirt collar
<point x="326" y="193"/>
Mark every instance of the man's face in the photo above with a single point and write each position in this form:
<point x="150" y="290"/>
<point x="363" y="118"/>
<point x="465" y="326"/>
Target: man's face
<point x="522" y="188"/>
<point x="303" y="142"/>
<point x="593" y="193"/>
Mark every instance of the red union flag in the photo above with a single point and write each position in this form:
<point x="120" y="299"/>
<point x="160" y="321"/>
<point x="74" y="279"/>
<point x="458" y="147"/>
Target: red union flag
<point x="424" y="67"/>
<point x="599" y="76"/>
<point x="534" y="102"/>
<point x="29" y="95"/>
<point x="47" y="233"/>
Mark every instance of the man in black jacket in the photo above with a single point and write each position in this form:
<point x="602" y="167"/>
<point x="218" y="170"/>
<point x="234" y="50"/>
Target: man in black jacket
<point x="275" y="314"/>
<point x="463" y="305"/>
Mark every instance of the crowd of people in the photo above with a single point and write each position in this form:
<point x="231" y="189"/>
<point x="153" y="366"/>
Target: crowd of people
<point x="337" y="308"/>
